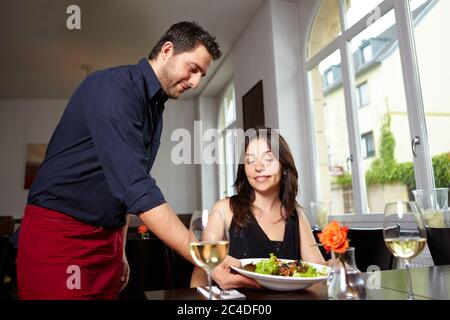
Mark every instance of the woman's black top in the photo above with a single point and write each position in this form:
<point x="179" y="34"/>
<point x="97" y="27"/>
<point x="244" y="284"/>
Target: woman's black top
<point x="252" y="242"/>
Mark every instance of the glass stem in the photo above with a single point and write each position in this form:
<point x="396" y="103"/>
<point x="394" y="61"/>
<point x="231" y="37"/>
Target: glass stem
<point x="209" y="284"/>
<point x="408" y="271"/>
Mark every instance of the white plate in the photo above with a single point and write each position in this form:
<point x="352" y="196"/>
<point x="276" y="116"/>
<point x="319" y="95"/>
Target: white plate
<point x="280" y="283"/>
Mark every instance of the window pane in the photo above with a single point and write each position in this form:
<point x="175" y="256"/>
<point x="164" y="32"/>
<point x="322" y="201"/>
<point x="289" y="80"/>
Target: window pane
<point x="331" y="133"/>
<point x="356" y="9"/>
<point x="229" y="106"/>
<point x="367" y="53"/>
<point x="383" y="122"/>
<point x="363" y="147"/>
<point x="222" y="168"/>
<point x="229" y="153"/>
<point x="326" y="26"/>
<point x="367" y="145"/>
<point x="370" y="145"/>
<point x="330" y="77"/>
<point x="431" y="24"/>
<point x="358" y="97"/>
<point x="363" y="90"/>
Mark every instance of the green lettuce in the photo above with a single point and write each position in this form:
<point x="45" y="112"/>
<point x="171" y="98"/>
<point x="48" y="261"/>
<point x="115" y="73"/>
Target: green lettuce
<point x="269" y="266"/>
<point x="310" y="272"/>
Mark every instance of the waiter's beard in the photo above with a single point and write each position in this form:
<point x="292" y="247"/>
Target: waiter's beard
<point x="168" y="84"/>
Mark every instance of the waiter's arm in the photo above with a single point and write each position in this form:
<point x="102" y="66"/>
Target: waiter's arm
<point x="166" y="225"/>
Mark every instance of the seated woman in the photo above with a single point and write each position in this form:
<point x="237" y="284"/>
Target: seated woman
<point x="264" y="216"/>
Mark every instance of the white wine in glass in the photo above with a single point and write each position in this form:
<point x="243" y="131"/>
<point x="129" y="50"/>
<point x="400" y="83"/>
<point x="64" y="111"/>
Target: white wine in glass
<point x="406" y="248"/>
<point x="404" y="234"/>
<point x="209" y="241"/>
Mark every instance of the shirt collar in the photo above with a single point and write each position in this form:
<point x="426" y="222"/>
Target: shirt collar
<point x="152" y="82"/>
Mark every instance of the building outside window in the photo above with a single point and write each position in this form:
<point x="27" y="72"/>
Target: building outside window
<point x="407" y="91"/>
<point x="362" y="95"/>
<point x="330" y="78"/>
<point x="367" y="145"/>
<point x="367" y="53"/>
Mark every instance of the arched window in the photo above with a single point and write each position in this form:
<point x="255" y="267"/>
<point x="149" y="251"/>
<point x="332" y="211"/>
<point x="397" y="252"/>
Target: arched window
<point x="366" y="100"/>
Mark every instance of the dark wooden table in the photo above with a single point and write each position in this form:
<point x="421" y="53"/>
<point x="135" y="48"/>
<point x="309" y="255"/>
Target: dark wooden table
<point x="428" y="283"/>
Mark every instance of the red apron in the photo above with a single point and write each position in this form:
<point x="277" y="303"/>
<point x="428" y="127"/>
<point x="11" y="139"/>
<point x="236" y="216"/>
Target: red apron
<point x="60" y="257"/>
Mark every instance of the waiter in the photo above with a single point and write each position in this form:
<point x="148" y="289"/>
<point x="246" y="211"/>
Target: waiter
<point x="96" y="173"/>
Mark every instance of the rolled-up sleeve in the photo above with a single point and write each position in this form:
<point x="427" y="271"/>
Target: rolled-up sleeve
<point x="115" y="115"/>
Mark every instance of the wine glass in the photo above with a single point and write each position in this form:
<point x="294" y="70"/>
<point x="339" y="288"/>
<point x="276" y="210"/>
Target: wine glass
<point x="404" y="234"/>
<point x="209" y="241"/>
<point x="321" y="210"/>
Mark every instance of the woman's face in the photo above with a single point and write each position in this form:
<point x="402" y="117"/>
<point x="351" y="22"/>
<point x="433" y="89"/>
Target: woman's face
<point x="262" y="168"/>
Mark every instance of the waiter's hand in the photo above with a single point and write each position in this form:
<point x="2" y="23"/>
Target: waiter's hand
<point x="226" y="280"/>
<point x="125" y="272"/>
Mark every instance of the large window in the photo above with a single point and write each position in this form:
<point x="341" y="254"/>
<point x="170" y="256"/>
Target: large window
<point x="227" y="122"/>
<point x="331" y="130"/>
<point x="433" y="52"/>
<point x="372" y="42"/>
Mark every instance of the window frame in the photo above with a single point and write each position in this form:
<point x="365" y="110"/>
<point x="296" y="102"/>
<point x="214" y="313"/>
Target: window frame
<point x="414" y="102"/>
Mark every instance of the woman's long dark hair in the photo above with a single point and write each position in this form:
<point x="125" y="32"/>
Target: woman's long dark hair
<point x="242" y="203"/>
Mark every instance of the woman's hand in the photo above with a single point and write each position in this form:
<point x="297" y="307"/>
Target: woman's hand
<point x="226" y="279"/>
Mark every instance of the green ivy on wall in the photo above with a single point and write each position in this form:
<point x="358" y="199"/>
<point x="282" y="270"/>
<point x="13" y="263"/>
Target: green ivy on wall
<point x="385" y="169"/>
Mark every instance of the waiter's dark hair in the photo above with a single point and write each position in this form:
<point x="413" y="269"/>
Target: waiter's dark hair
<point x="186" y="36"/>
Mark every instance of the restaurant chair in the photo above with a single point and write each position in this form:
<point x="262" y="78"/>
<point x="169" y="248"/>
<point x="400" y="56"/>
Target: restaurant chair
<point x="150" y="265"/>
<point x="6" y="278"/>
<point x="5" y="281"/>
<point x="438" y="240"/>
<point x="181" y="267"/>
<point x="370" y="248"/>
<point x="182" y="270"/>
<point x="326" y="255"/>
<point x="6" y="225"/>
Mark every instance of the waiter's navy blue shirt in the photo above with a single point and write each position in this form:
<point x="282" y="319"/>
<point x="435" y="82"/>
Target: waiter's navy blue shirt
<point x="98" y="161"/>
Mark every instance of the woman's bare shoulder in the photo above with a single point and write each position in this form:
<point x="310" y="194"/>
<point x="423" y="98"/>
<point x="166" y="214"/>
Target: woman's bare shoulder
<point x="223" y="204"/>
<point x="302" y="218"/>
<point x="300" y="211"/>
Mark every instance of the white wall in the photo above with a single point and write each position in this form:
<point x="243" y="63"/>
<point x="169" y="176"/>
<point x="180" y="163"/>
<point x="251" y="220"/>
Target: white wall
<point x="179" y="183"/>
<point x="33" y="121"/>
<point x="250" y="60"/>
<point x="253" y="59"/>
<point x="269" y="49"/>
<point x="209" y="180"/>
<point x="288" y="74"/>
<point x="22" y="122"/>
